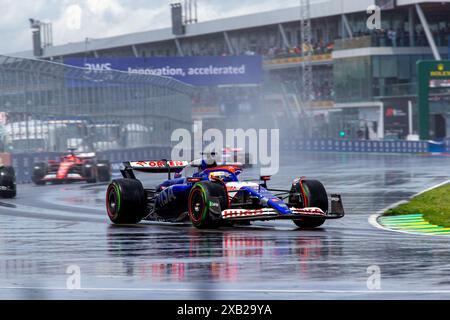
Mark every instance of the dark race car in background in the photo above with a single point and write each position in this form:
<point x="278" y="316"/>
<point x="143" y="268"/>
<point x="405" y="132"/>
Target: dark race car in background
<point x="72" y="167"/>
<point x="7" y="182"/>
<point x="214" y="196"/>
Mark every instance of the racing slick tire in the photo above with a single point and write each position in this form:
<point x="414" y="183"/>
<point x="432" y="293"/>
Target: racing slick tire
<point x="39" y="172"/>
<point x="126" y="201"/>
<point x="89" y="172"/>
<point x="206" y="201"/>
<point x="8" y="182"/>
<point x="316" y="196"/>
<point x="103" y="171"/>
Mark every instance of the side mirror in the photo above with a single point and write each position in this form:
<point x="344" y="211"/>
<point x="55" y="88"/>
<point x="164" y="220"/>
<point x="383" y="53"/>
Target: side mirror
<point x="264" y="180"/>
<point x="193" y="180"/>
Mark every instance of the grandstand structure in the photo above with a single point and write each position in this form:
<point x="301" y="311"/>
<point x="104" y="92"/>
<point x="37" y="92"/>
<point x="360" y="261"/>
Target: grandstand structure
<point x="364" y="81"/>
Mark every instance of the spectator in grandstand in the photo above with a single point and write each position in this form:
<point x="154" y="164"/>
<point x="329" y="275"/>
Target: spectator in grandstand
<point x="392" y="36"/>
<point x="249" y="52"/>
<point x="330" y="47"/>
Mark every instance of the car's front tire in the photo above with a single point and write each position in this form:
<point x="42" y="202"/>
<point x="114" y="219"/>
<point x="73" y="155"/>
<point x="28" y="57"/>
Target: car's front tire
<point x="206" y="201"/>
<point x="126" y="201"/>
<point x="39" y="172"/>
<point x="313" y="195"/>
<point x="89" y="172"/>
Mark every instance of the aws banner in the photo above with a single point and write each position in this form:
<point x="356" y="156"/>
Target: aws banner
<point x="200" y="71"/>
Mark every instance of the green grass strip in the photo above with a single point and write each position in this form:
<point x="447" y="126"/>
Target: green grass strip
<point x="434" y="205"/>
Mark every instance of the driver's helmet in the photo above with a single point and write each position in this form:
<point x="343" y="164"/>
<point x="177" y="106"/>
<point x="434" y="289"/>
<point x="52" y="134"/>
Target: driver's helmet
<point x="220" y="175"/>
<point x="70" y="158"/>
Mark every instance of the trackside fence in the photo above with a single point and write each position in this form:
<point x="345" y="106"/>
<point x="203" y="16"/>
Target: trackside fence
<point x="388" y="146"/>
<point x="23" y="162"/>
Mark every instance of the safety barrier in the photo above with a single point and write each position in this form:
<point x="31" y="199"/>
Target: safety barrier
<point x="357" y="146"/>
<point x="23" y="162"/>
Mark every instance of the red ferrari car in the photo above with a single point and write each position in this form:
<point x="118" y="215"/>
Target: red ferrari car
<point x="72" y="167"/>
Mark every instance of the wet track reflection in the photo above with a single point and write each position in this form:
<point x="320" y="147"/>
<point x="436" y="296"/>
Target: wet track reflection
<point x="47" y="229"/>
<point x="220" y="256"/>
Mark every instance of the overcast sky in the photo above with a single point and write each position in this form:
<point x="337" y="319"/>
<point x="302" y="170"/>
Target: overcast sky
<point x="74" y="21"/>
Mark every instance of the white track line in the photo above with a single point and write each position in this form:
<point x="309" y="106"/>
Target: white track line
<point x="431" y="188"/>
<point x="226" y="290"/>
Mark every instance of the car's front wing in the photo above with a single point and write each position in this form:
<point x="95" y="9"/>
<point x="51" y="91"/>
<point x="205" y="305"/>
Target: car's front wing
<point x="269" y="213"/>
<point x="337" y="211"/>
<point x="68" y="177"/>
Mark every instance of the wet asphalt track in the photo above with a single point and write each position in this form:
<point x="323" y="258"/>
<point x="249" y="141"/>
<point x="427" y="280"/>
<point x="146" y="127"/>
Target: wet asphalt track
<point x="47" y="229"/>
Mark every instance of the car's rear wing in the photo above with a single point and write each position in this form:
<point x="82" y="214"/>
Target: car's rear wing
<point x="89" y="155"/>
<point x="153" y="166"/>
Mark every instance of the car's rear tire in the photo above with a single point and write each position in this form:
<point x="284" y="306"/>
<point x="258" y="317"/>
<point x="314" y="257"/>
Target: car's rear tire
<point x="8" y="180"/>
<point x="206" y="201"/>
<point x="316" y="196"/>
<point x="39" y="172"/>
<point x="126" y="201"/>
<point x="89" y="172"/>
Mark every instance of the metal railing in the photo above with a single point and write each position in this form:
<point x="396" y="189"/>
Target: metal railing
<point x="395" y="90"/>
<point x="384" y="39"/>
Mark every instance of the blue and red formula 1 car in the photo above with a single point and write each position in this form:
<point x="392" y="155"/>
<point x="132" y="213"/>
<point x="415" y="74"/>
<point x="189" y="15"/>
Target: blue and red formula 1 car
<point x="214" y="196"/>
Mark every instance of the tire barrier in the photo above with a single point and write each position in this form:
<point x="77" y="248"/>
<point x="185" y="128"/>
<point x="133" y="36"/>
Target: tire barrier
<point x="23" y="162"/>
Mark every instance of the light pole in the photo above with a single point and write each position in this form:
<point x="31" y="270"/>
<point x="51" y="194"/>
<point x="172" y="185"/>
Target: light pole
<point x="28" y="105"/>
<point x="41" y="28"/>
<point x="86" y="43"/>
